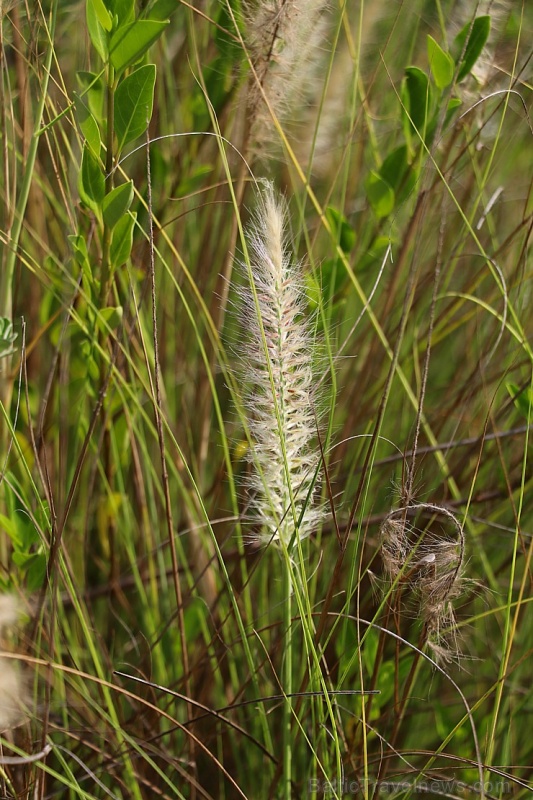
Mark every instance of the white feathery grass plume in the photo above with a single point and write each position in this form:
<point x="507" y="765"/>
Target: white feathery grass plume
<point x="278" y="363"/>
<point x="12" y="687"/>
<point x="285" y="39"/>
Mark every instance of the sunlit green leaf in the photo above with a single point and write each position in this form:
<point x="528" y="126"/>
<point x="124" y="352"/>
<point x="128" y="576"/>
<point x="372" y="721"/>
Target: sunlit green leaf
<point x="130" y="42"/>
<point x="97" y="32"/>
<point x="102" y="14"/>
<point x="441" y="63"/>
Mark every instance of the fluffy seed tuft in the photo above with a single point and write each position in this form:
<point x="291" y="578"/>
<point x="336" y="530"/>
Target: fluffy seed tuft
<point x="278" y="367"/>
<point x="431" y="566"/>
<point x="284" y="39"/>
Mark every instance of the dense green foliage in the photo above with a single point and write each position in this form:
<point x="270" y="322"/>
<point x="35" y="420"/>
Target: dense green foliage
<point x="162" y="640"/>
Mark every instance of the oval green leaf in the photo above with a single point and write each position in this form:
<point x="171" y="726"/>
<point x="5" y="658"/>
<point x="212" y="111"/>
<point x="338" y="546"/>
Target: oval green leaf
<point x="380" y="195"/>
<point x="478" y="33"/>
<point x="88" y="125"/>
<point x="93" y="93"/>
<point x="134" y="100"/>
<point x="102" y="14"/>
<point x="341" y="229"/>
<point x="91" y="182"/>
<point x="116" y="203"/>
<point x="109" y="318"/>
<point x="130" y="42"/>
<point x="441" y="64"/>
<point x="97" y="32"/>
<point x="123" y="10"/>
<point x="122" y="240"/>
<point x="418" y="95"/>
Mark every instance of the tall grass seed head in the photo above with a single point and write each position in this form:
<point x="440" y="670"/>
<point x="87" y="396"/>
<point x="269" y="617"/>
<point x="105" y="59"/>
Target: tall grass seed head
<point x="285" y="42"/>
<point x="278" y="366"/>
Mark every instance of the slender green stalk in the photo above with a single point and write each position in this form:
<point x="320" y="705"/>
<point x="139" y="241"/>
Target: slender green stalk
<point x="287" y="684"/>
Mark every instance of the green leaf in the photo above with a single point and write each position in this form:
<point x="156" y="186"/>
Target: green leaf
<point x="79" y="247"/>
<point x="110" y="317"/>
<point x="116" y="203"/>
<point x="370" y="650"/>
<point x="441" y="63"/>
<point x="88" y="125"/>
<point x="418" y="97"/>
<point x="130" y="42"/>
<point x="10" y="528"/>
<point x="399" y="173"/>
<point x="380" y="195"/>
<point x="102" y="14"/>
<point x="33" y="565"/>
<point x="394" y="167"/>
<point x="97" y="33"/>
<point x="122" y="240"/>
<point x="523" y="399"/>
<point x="7" y="337"/>
<point x="161" y="9"/>
<point x="122" y="10"/>
<point x="478" y="33"/>
<point x="343" y="232"/>
<point x="93" y="93"/>
<point x="134" y="100"/>
<point x="91" y="183"/>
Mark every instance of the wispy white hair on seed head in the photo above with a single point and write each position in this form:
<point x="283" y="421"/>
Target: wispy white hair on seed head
<point x="279" y="369"/>
<point x="285" y="42"/>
